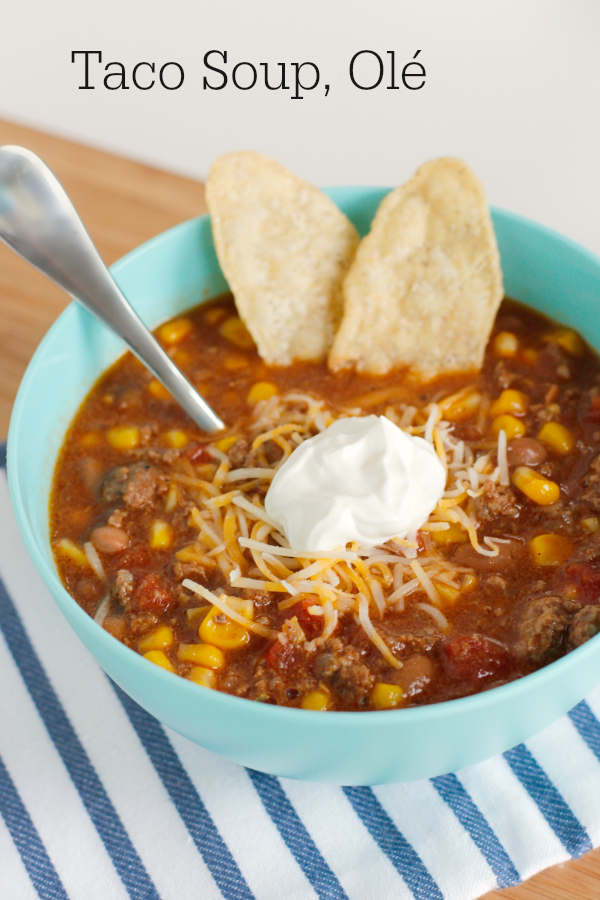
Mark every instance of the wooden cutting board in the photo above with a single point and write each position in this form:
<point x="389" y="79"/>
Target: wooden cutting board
<point x="124" y="203"/>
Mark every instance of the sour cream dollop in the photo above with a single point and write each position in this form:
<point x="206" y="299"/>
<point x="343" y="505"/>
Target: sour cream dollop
<point x="363" y="479"/>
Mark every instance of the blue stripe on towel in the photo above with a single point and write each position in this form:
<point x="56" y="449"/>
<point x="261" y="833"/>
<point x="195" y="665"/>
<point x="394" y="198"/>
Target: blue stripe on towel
<point x="3" y="455"/>
<point x="42" y="873"/>
<point x="93" y="795"/>
<point x="188" y="803"/>
<point x="395" y="846"/>
<point x="587" y="725"/>
<point x="551" y="803"/>
<point x="471" y="818"/>
<point x="297" y="838"/>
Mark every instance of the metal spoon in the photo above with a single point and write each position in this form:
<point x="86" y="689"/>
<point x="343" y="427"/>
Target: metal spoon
<point x="39" y="222"/>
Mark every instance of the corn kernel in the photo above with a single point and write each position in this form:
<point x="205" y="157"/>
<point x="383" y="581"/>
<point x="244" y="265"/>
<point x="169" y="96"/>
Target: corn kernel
<point x="446" y="591"/>
<point x="469" y="582"/>
<point x="512" y="427"/>
<point x="235" y="331"/>
<point x="202" y="654"/>
<point x="158" y="390"/>
<point x="505" y="344"/>
<point x="123" y="437"/>
<point x="176" y="438"/>
<point x="226" y="635"/>
<point x="159" y="639"/>
<point x="262" y="390"/>
<point x="174" y="332"/>
<point x="213" y="314"/>
<point x="510" y="401"/>
<point x="317" y="700"/>
<point x="203" y="676"/>
<point x="161" y="535"/>
<point x="189" y="553"/>
<point x="557" y="437"/>
<point x="460" y="406"/>
<point x="387" y="696"/>
<point x="591" y="525"/>
<point x="91" y="439"/>
<point x="539" y="489"/>
<point x="67" y="547"/>
<point x="227" y="443"/>
<point x="568" y="339"/>
<point x="550" y="549"/>
<point x="235" y="362"/>
<point x="159" y="659"/>
<point x="454" y="534"/>
<point x="198" y="612"/>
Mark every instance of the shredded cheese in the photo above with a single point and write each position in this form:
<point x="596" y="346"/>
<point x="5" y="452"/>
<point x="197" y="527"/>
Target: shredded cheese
<point x="94" y="560"/>
<point x="221" y="603"/>
<point x="250" y="472"/>
<point x="425" y="581"/>
<point x="298" y="554"/>
<point x="432" y="419"/>
<point x="502" y="458"/>
<point x="103" y="610"/>
<point x="236" y="536"/>
<point x="363" y="616"/>
<point x="439" y="618"/>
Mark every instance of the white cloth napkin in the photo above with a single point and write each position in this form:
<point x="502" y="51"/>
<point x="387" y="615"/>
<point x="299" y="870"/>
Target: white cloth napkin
<point x="98" y="800"/>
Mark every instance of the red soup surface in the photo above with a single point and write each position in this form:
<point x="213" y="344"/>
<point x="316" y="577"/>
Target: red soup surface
<point x="159" y="531"/>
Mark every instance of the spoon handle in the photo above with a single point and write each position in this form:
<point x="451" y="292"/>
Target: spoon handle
<point x="39" y="222"/>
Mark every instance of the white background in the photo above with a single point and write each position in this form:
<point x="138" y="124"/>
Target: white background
<point x="513" y="87"/>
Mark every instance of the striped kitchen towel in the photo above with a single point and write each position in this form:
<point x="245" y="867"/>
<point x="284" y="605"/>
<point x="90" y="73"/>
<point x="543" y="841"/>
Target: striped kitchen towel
<point x="98" y="800"/>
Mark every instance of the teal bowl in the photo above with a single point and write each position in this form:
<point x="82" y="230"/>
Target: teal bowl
<point x="162" y="278"/>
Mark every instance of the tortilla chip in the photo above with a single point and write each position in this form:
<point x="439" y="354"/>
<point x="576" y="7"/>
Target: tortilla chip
<point x="426" y="283"/>
<point x="284" y="248"/>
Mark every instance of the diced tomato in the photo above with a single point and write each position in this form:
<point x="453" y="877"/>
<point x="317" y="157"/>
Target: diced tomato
<point x="197" y="453"/>
<point x="153" y="593"/>
<point x="311" y="625"/>
<point x="474" y="657"/>
<point x="136" y="556"/>
<point x="586" y="576"/>
<point x="284" y="658"/>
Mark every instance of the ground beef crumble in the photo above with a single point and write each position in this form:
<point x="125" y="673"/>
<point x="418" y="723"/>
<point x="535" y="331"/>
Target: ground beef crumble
<point x="497" y="500"/>
<point x="542" y="628"/>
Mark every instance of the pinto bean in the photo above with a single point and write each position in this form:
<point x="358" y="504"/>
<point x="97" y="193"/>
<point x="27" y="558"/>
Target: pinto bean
<point x="525" y="452"/>
<point x="508" y="555"/>
<point x="108" y="539"/>
<point x="416" y="674"/>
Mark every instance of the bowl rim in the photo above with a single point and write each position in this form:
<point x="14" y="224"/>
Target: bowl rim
<point x="268" y="713"/>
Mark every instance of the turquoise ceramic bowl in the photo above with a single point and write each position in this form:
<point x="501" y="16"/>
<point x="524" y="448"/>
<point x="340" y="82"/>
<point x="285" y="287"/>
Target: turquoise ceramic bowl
<point x="166" y="275"/>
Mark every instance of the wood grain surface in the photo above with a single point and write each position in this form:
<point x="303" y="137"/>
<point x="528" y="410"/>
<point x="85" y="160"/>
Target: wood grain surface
<point x="123" y="203"/>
